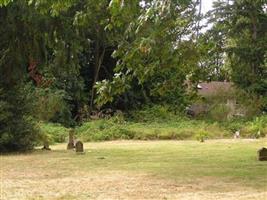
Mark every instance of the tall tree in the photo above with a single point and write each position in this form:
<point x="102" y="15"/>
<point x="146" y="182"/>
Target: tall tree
<point x="212" y="44"/>
<point x="21" y="38"/>
<point x="247" y="44"/>
<point x="156" y="54"/>
<point x="237" y="42"/>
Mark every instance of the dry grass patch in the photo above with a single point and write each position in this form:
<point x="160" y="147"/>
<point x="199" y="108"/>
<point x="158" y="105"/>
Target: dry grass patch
<point x="138" y="170"/>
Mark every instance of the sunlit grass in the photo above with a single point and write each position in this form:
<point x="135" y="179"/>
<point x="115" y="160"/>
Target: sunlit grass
<point x="229" y="162"/>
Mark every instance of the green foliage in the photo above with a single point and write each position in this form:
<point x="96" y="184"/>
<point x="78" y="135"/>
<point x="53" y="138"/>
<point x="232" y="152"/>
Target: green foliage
<point x="232" y="103"/>
<point x="241" y="28"/>
<point x="219" y="112"/>
<point x="255" y="128"/>
<point x="202" y="136"/>
<point x="104" y="130"/>
<point x="53" y="133"/>
<point x="17" y="128"/>
<point x="154" y="113"/>
<point x="142" y="126"/>
<point x="247" y="45"/>
<point x="54" y="8"/>
<point x="4" y="2"/>
<point x="172" y="129"/>
<point x="125" y="55"/>
<point x="153" y="54"/>
<point x="47" y="103"/>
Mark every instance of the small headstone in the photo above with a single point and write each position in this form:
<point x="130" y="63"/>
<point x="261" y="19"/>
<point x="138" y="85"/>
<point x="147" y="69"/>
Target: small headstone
<point x="259" y="134"/>
<point x="237" y="134"/>
<point x="262" y="153"/>
<point x="79" y="147"/>
<point x="71" y="140"/>
<point x="46" y="146"/>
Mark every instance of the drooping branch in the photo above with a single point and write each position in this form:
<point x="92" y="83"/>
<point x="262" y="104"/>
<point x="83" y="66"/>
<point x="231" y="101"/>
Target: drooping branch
<point x="39" y="80"/>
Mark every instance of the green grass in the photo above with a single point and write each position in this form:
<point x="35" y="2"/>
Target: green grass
<point x="234" y="160"/>
<point x="217" y="165"/>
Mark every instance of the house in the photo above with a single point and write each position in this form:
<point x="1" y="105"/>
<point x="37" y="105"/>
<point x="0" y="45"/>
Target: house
<point x="214" y="93"/>
<point x="211" y="89"/>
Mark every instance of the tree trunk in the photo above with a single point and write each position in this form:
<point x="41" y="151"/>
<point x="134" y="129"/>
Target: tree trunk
<point x="98" y="62"/>
<point x="199" y="15"/>
<point x="254" y="38"/>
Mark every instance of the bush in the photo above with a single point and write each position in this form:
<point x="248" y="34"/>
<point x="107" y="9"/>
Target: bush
<point x="51" y="106"/>
<point x="174" y="128"/>
<point x="155" y="113"/>
<point x="179" y="128"/>
<point x="225" y="105"/>
<point x="53" y="133"/>
<point x="202" y="136"/>
<point x="255" y="128"/>
<point x="100" y="130"/>
<point x="219" y="112"/>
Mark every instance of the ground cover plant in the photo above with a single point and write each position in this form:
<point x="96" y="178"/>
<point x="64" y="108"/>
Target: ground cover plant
<point x="172" y="127"/>
<point x="159" y="123"/>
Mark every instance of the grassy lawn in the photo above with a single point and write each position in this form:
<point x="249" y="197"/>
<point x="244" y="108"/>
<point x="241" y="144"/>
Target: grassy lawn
<point x="216" y="169"/>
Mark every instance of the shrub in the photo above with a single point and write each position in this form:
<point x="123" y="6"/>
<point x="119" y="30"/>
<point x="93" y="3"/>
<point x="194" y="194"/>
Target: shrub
<point x="155" y="113"/>
<point x="51" y="106"/>
<point x="53" y="133"/>
<point x="219" y="112"/>
<point x="176" y="128"/>
<point x="255" y="128"/>
<point x="225" y="105"/>
<point x="202" y="136"/>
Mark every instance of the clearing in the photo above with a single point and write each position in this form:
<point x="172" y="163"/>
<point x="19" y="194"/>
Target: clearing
<point x="217" y="169"/>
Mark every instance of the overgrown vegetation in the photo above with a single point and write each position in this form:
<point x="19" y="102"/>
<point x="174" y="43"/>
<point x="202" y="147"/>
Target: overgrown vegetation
<point x="175" y="128"/>
<point x="158" y="123"/>
<point x="53" y="133"/>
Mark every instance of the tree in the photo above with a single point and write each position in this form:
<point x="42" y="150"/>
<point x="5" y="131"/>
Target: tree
<point x="235" y="46"/>
<point x="29" y="41"/>
<point x="17" y="130"/>
<point x="212" y="44"/>
<point x="4" y="2"/>
<point x="91" y="20"/>
<point x="246" y="45"/>
<point x="156" y="53"/>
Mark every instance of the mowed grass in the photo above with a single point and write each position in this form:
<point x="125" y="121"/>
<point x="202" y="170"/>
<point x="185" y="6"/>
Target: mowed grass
<point x="216" y="169"/>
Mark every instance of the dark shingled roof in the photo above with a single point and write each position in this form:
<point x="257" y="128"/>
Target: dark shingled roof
<point x="213" y="87"/>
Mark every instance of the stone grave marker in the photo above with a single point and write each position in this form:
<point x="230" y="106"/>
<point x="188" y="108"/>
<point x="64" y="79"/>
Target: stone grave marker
<point x="237" y="134"/>
<point x="79" y="147"/>
<point x="262" y="153"/>
<point x="71" y="140"/>
<point x="46" y="146"/>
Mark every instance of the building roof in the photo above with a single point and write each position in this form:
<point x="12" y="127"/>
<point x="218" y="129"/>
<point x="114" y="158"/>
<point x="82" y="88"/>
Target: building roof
<point x="213" y="87"/>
